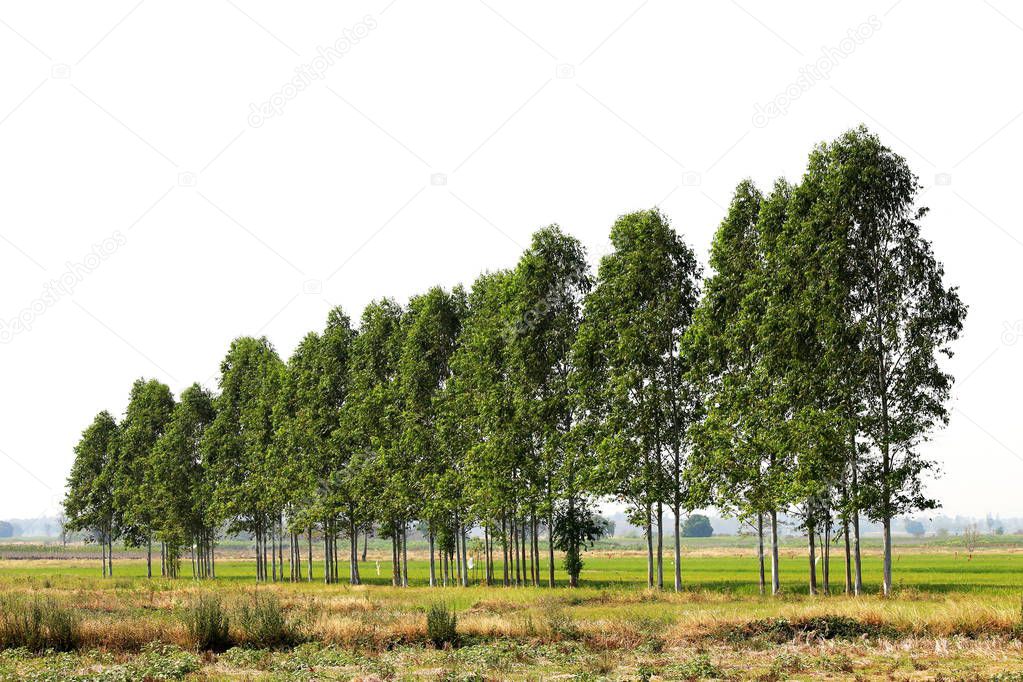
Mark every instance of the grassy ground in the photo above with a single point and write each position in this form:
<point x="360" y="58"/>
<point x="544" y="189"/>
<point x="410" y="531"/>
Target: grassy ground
<point x="955" y="616"/>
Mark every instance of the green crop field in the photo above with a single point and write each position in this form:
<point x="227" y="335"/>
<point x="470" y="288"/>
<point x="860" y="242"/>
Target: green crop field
<point x="955" y="615"/>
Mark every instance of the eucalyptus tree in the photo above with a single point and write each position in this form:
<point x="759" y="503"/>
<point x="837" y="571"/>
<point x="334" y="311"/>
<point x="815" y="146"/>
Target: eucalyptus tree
<point x="631" y="377"/>
<point x="909" y="319"/>
<point x="348" y="493"/>
<point x="148" y="412"/>
<point x="431" y="325"/>
<point x="298" y="419"/>
<point x="740" y="442"/>
<point x="239" y="443"/>
<point x="308" y="416"/>
<point x="479" y="419"/>
<point x="375" y="418"/>
<point x="548" y="287"/>
<point x="89" y="503"/>
<point x="180" y="477"/>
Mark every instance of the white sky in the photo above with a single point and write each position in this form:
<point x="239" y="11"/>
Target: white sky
<point x="535" y="112"/>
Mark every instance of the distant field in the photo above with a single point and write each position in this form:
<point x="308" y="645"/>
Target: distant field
<point x="954" y="616"/>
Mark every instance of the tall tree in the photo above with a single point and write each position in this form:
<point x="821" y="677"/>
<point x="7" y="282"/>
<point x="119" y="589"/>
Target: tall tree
<point x="432" y="323"/>
<point x="631" y="377"/>
<point x="740" y="441"/>
<point x="148" y="412"/>
<point x="89" y="503"/>
<point x="549" y="283"/>
<point x="908" y="317"/>
<point x="375" y="418"/>
<point x="182" y="484"/>
<point x="479" y="419"/>
<point x="239" y="443"/>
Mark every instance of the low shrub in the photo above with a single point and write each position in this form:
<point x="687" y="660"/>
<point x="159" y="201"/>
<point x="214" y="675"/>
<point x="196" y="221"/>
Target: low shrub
<point x="207" y="624"/>
<point x="696" y="668"/>
<point x="441" y="625"/>
<point x="37" y="625"/>
<point x="264" y="625"/>
<point x="781" y="630"/>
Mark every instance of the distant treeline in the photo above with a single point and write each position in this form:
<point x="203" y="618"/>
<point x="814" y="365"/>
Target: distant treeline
<point x="801" y="378"/>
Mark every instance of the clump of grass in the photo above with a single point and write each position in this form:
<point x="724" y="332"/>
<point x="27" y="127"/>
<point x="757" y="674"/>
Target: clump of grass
<point x="264" y="625"/>
<point x="838" y="663"/>
<point x="786" y="662"/>
<point x="1017" y="628"/>
<point x="559" y="622"/>
<point x="207" y="624"/>
<point x="696" y="668"/>
<point x="441" y="625"/>
<point x="37" y="625"/>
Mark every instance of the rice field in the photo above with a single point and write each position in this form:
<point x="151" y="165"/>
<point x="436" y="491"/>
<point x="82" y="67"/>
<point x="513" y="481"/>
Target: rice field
<point x="956" y="615"/>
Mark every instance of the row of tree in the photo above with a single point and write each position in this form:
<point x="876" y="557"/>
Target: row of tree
<point x="800" y="378"/>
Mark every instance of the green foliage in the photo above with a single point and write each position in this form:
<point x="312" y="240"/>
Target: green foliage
<point x="801" y="377"/>
<point x="207" y="623"/>
<point x="441" y="625"/>
<point x="697" y="526"/>
<point x="915" y="528"/>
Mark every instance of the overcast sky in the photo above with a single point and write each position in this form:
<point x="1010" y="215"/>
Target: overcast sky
<point x="176" y="174"/>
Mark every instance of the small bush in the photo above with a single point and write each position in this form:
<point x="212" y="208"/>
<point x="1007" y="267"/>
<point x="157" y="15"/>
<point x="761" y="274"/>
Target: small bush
<point x="781" y="630"/>
<point x="786" y="662"/>
<point x="207" y="624"/>
<point x="264" y="625"/>
<point x="838" y="663"/>
<point x="440" y="625"/>
<point x="697" y="668"/>
<point x="37" y="625"/>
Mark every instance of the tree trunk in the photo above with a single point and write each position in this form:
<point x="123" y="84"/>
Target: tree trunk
<point x="660" y="546"/>
<point x="365" y="544"/>
<point x="515" y="551"/>
<point x="857" y="559"/>
<point x="259" y="563"/>
<point x="826" y="555"/>
<point x="775" y="576"/>
<point x="886" y="524"/>
<point x="103" y="544"/>
<point x="813" y="559"/>
<point x="504" y="547"/>
<point x="487" y="577"/>
<point x="327" y="554"/>
<point x="353" y="555"/>
<point x="678" y="549"/>
<point x="404" y="555"/>
<point x="309" y="548"/>
<point x="273" y="552"/>
<point x="885" y="447"/>
<point x="848" y="557"/>
<point x="536" y="546"/>
<point x="649" y="547"/>
<point x="433" y="569"/>
<point x="149" y="557"/>
<point x="550" y="549"/>
<point x="465" y="573"/>
<point x="760" y="550"/>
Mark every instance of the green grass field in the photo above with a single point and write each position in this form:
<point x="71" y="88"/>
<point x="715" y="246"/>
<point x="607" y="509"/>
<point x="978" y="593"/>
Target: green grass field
<point x="954" y="616"/>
